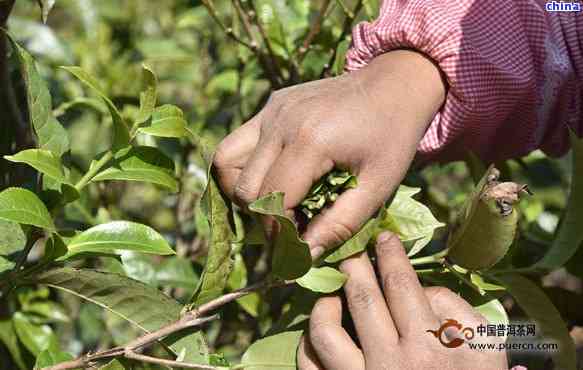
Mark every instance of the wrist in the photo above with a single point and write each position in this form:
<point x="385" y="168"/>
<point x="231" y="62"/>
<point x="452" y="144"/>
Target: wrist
<point x="406" y="75"/>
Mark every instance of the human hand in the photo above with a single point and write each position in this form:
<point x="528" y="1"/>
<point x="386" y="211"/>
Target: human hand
<point x="391" y="323"/>
<point x="369" y="122"/>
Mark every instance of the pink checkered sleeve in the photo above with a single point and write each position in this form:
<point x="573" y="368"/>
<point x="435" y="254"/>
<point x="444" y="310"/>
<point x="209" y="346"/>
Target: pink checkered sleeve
<point x="514" y="70"/>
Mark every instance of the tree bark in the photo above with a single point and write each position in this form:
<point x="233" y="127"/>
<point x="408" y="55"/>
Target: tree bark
<point x="14" y="134"/>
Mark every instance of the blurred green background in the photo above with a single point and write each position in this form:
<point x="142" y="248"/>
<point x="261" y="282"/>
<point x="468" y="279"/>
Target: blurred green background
<point x="219" y="83"/>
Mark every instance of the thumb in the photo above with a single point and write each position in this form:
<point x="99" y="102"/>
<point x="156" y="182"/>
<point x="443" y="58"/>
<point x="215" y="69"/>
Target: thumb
<point x="349" y="212"/>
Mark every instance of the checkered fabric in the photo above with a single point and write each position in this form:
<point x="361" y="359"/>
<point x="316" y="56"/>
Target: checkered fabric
<point x="514" y="70"/>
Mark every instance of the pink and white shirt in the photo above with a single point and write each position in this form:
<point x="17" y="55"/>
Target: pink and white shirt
<point x="514" y="70"/>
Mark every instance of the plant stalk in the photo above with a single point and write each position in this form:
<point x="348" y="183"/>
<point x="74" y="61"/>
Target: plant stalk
<point x="192" y="318"/>
<point x="93" y="170"/>
<point x="438" y="257"/>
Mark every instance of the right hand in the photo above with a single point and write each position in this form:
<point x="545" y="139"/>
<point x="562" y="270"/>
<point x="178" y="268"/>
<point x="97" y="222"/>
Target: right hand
<point x="391" y="318"/>
<point x="369" y="122"/>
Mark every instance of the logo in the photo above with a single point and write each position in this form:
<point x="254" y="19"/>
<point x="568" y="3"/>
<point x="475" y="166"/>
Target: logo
<point x="563" y="6"/>
<point x="468" y="333"/>
<point x="493" y="337"/>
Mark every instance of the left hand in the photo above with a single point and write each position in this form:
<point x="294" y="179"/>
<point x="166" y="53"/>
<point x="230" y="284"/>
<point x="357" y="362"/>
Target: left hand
<point x="391" y="323"/>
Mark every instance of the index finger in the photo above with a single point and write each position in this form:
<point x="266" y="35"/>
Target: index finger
<point x="409" y="306"/>
<point x="233" y="153"/>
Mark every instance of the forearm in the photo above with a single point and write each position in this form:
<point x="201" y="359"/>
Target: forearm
<point x="418" y="80"/>
<point x="511" y="69"/>
<point x="404" y="90"/>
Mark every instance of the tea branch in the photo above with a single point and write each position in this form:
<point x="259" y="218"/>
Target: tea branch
<point x="461" y="276"/>
<point x="253" y="46"/>
<point x="346" y="27"/>
<point x="314" y="30"/>
<point x="34" y="235"/>
<point x="195" y="317"/>
<point x="209" y="5"/>
<point x="438" y="257"/>
<point x="93" y="170"/>
<point x="270" y="64"/>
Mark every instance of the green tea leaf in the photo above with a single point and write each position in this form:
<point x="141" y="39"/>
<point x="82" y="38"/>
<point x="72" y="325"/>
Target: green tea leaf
<point x="46" y="6"/>
<point x="218" y="359"/>
<point x="81" y="103"/>
<point x="250" y="303"/>
<point x="411" y="220"/>
<point x="569" y="236"/>
<point x="325" y="191"/>
<point x="24" y="207"/>
<point x="121" y="133"/>
<point x="49" y="132"/>
<point x="291" y="256"/>
<point x="12" y="242"/>
<point x="487" y="225"/>
<point x="114" y="365"/>
<point x="35" y="338"/>
<point x="322" y="279"/>
<point x="54" y="248"/>
<point x="493" y="311"/>
<point x="407" y="191"/>
<point x="167" y="121"/>
<point x="482" y="284"/>
<point x="274" y="352"/>
<point x="6" y="264"/>
<point x="218" y="264"/>
<point x="118" y="235"/>
<point x="50" y="312"/>
<point x="356" y="244"/>
<point x="539" y="308"/>
<point x="141" y="163"/>
<point x="10" y="339"/>
<point x="371" y="7"/>
<point x="224" y="82"/>
<point x="238" y="276"/>
<point x="176" y="272"/>
<point x="42" y="160"/>
<point x="144" y="306"/>
<point x="138" y="266"/>
<point x="51" y="356"/>
<point x="237" y="280"/>
<point x="297" y="317"/>
<point x="147" y="97"/>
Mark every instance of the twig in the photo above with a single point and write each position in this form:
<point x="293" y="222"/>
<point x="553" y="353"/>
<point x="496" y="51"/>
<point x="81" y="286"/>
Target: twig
<point x="253" y="16"/>
<point x="273" y="74"/>
<point x="314" y="30"/>
<point x="347" y="11"/>
<point x="430" y="271"/>
<point x="434" y="258"/>
<point x="192" y="318"/>
<point x="35" y="235"/>
<point x="246" y="22"/>
<point x="8" y="284"/>
<point x="350" y="15"/>
<point x="97" y="166"/>
<point x="186" y="321"/>
<point x="461" y="276"/>
<point x="228" y="30"/>
<point x="160" y="361"/>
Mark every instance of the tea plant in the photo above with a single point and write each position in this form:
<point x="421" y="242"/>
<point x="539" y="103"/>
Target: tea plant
<point x="63" y="240"/>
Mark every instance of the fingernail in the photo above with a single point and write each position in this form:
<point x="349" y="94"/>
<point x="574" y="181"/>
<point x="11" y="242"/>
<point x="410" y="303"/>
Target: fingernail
<point x="317" y="252"/>
<point x="384" y="237"/>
